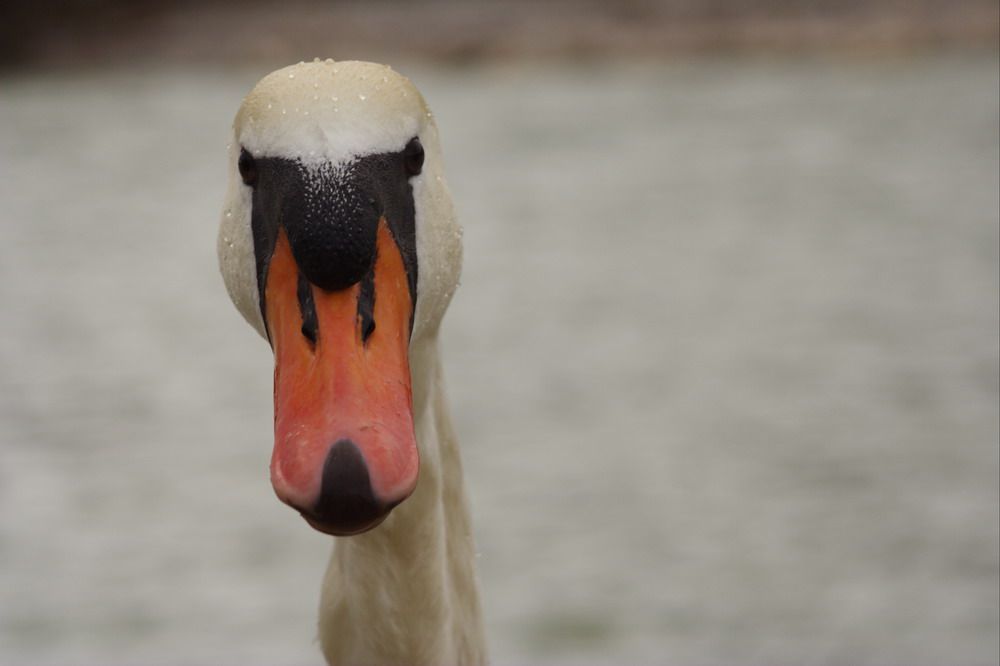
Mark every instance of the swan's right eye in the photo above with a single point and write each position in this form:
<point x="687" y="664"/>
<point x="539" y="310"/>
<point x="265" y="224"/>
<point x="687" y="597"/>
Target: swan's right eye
<point x="413" y="157"/>
<point x="248" y="168"/>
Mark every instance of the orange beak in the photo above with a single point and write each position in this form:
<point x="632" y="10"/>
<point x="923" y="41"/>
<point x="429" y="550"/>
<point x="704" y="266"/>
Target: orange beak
<point x="345" y="452"/>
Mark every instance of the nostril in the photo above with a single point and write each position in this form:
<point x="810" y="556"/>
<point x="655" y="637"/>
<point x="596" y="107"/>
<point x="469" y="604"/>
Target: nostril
<point x="307" y="308"/>
<point x="366" y="306"/>
<point x="347" y="504"/>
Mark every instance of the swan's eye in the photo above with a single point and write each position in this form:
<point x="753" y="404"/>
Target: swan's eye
<point x="248" y="168"/>
<point x="413" y="157"/>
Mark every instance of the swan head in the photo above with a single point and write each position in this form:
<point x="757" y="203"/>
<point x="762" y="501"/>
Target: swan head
<point x="338" y="243"/>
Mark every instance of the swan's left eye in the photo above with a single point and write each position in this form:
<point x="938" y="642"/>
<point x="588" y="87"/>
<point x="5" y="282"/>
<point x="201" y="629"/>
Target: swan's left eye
<point x="413" y="157"/>
<point x="248" y="168"/>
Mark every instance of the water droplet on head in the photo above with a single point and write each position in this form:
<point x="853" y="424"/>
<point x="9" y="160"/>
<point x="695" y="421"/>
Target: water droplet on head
<point x="315" y="59"/>
<point x="292" y="76"/>
<point x="329" y="61"/>
<point x="362" y="97"/>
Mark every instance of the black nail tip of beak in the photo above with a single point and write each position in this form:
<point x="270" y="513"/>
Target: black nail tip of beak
<point x="347" y="504"/>
<point x="338" y="530"/>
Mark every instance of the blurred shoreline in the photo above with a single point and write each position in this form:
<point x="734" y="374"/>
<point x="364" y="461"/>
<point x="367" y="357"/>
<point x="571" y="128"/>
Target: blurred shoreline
<point x="73" y="33"/>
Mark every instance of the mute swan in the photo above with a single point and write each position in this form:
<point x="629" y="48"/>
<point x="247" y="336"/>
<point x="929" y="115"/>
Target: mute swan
<point x="339" y="244"/>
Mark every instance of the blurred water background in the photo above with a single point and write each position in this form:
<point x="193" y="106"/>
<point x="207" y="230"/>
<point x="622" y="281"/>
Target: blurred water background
<point x="724" y="361"/>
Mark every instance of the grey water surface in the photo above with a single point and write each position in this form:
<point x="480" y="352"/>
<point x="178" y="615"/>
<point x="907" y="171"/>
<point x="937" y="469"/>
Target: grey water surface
<point x="724" y="364"/>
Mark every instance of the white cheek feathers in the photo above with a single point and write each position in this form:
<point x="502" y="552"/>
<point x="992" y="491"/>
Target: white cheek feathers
<point x="235" y="247"/>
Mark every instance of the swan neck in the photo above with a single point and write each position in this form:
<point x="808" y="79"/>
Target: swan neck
<point x="406" y="592"/>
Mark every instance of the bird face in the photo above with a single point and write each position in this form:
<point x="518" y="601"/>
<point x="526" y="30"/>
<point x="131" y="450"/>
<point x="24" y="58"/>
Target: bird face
<point x="339" y="244"/>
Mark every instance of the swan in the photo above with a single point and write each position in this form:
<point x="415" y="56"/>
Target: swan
<point x="339" y="244"/>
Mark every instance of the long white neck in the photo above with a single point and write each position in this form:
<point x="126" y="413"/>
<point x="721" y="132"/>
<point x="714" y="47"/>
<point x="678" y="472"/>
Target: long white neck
<point x="406" y="591"/>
